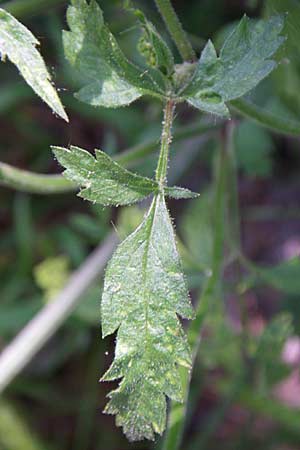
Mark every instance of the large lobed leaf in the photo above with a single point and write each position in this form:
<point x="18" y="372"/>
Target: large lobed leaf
<point x="144" y="290"/>
<point x="104" y="181"/>
<point x="109" y="79"/>
<point x="19" y="45"/>
<point x="244" y="60"/>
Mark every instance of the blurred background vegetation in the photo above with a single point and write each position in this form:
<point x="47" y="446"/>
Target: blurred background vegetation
<point x="56" y="402"/>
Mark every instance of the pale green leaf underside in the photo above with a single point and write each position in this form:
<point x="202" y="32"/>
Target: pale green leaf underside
<point x="18" y="44"/>
<point x="108" y="78"/>
<point x="144" y="290"/>
<point x="243" y="62"/>
<point x="103" y="180"/>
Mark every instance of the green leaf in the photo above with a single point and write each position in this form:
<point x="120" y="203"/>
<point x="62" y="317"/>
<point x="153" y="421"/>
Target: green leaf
<point x="243" y="62"/>
<point x="152" y="46"/>
<point x="104" y="181"/>
<point x="179" y="193"/>
<point x="108" y="78"/>
<point x="144" y="290"/>
<point x="19" y="45"/>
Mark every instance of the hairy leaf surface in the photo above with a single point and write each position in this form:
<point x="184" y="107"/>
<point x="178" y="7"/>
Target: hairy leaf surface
<point x="104" y="181"/>
<point x="109" y="79"/>
<point x="244" y="60"/>
<point x="144" y="290"/>
<point x="18" y="44"/>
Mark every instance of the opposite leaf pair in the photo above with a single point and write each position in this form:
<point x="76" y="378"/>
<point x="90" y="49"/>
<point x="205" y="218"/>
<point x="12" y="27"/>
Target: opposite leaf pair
<point x="110" y="80"/>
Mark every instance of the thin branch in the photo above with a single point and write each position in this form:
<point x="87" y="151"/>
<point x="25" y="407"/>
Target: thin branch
<point x="34" y="183"/>
<point x="32" y="338"/>
<point x="166" y="139"/>
<point x="279" y="124"/>
<point x="175" y="28"/>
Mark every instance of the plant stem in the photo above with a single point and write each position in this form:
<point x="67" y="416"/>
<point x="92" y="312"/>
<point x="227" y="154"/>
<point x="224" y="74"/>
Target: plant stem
<point x="166" y="139"/>
<point x="266" y="118"/>
<point x="175" y="29"/>
<point x="35" y="183"/>
<point x="131" y="156"/>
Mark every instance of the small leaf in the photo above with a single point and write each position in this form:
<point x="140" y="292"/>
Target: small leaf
<point x="152" y="46"/>
<point x="243" y="62"/>
<point x="144" y="290"/>
<point x="108" y="78"/>
<point x="19" y="45"/>
<point x="180" y="193"/>
<point x="103" y="180"/>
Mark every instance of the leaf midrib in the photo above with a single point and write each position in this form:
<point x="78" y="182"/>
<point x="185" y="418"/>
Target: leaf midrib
<point x="144" y="269"/>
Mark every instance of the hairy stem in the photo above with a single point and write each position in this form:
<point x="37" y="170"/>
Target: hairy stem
<point x="166" y="139"/>
<point x="175" y="29"/>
